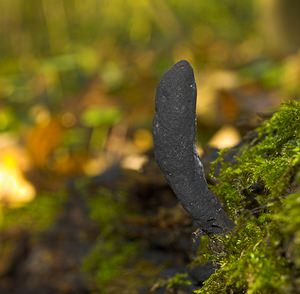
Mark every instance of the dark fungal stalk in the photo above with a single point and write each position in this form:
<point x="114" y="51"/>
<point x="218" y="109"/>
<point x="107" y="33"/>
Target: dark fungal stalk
<point x="174" y="128"/>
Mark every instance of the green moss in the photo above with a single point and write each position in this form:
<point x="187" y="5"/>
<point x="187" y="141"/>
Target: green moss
<point x="106" y="208"/>
<point x="180" y="279"/>
<point x="106" y="261"/>
<point x="261" y="255"/>
<point x="270" y="159"/>
<point x="109" y="256"/>
<point x="288" y="223"/>
<point x="37" y="215"/>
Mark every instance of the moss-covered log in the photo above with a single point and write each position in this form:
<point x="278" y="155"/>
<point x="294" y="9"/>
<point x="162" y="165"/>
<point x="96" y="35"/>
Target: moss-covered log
<point x="261" y="192"/>
<point x="260" y="189"/>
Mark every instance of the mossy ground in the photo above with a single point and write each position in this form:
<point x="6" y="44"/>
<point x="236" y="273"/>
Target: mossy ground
<point x="260" y="190"/>
<point x="110" y="253"/>
<point x="115" y="263"/>
<point x="37" y="215"/>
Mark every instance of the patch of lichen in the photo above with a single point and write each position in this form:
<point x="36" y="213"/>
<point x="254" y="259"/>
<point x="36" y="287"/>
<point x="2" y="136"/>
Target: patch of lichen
<point x="259" y="189"/>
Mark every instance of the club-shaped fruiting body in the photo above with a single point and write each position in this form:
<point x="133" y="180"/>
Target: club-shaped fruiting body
<point x="174" y="129"/>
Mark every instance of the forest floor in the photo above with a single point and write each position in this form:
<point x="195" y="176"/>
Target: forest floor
<point x="145" y="239"/>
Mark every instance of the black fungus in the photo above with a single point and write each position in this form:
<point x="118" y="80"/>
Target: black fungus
<point x="174" y="128"/>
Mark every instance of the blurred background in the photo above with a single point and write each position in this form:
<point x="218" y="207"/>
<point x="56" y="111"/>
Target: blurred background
<point x="77" y="86"/>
